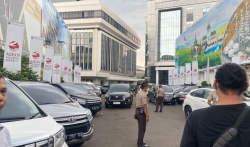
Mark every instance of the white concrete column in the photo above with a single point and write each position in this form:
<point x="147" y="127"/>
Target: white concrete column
<point x="157" y="77"/>
<point x="205" y="75"/>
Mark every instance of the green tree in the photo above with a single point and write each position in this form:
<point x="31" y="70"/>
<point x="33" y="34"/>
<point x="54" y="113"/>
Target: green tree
<point x="26" y="73"/>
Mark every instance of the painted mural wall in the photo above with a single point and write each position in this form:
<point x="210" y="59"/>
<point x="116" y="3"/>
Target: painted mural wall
<point x="41" y="19"/>
<point x="214" y="32"/>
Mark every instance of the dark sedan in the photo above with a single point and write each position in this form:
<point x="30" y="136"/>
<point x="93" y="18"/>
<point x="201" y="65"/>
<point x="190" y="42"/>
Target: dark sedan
<point x="92" y="90"/>
<point x="84" y="98"/>
<point x="119" y="95"/>
<point x="180" y="96"/>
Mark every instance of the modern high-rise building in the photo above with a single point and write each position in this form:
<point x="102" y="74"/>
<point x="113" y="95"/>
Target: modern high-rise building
<point x="165" y="21"/>
<point x="103" y="44"/>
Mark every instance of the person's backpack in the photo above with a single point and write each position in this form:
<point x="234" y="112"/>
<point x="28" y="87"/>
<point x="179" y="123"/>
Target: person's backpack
<point x="231" y="132"/>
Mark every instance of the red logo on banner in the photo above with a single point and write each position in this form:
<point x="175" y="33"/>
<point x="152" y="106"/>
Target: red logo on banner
<point x="170" y="76"/>
<point x="57" y="66"/>
<point x="69" y="70"/>
<point x="13" y="45"/>
<point x="243" y="56"/>
<point x="76" y="73"/>
<point x="65" y="68"/>
<point x="175" y="75"/>
<point x="195" y="70"/>
<point x="35" y="55"/>
<point x="48" y="60"/>
<point x="182" y="73"/>
<point x="188" y="71"/>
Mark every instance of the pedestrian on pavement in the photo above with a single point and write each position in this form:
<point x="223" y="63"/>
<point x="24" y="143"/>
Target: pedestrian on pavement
<point x="5" y="140"/>
<point x="141" y="114"/>
<point x="161" y="93"/>
<point x="204" y="127"/>
<point x="212" y="97"/>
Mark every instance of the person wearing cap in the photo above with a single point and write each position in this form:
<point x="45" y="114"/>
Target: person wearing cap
<point x="141" y="114"/>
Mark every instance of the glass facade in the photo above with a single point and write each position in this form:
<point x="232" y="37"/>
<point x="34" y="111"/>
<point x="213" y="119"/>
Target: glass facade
<point x="190" y="17"/>
<point x="117" y="58"/>
<point x="82" y="49"/>
<point x="99" y="14"/>
<point x="169" y="30"/>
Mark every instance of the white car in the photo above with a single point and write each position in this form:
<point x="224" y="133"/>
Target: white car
<point x="27" y="123"/>
<point x="197" y="99"/>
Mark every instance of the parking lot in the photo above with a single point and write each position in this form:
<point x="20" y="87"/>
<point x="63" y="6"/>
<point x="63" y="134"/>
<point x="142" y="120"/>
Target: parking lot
<point x="116" y="127"/>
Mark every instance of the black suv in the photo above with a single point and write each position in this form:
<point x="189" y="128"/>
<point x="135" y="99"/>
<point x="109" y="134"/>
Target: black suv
<point x="119" y="94"/>
<point x="82" y="96"/>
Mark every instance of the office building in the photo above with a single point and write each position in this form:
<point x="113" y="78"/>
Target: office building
<point x="103" y="44"/>
<point x="166" y="20"/>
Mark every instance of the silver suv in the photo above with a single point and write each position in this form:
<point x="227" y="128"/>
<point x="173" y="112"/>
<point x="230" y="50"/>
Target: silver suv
<point x="76" y="120"/>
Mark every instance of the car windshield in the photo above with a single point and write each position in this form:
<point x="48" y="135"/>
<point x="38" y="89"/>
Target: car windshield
<point x="188" y="89"/>
<point x="18" y="105"/>
<point x="46" y="94"/>
<point x="88" y="87"/>
<point x="74" y="89"/>
<point x="166" y="88"/>
<point x="177" y="89"/>
<point x="119" y="88"/>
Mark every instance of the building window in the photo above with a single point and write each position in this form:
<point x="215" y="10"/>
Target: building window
<point x="169" y="30"/>
<point x="190" y="16"/>
<point x="206" y="8"/>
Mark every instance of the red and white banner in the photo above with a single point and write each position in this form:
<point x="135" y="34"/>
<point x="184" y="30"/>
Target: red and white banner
<point x="13" y="46"/>
<point x="195" y="75"/>
<point x="65" y="69"/>
<point x="170" y="77"/>
<point x="182" y="75"/>
<point x="188" y="73"/>
<point x="176" y="82"/>
<point x="70" y="71"/>
<point x="76" y="74"/>
<point x="79" y="74"/>
<point x="48" y="64"/>
<point x="36" y="54"/>
<point x="57" y="64"/>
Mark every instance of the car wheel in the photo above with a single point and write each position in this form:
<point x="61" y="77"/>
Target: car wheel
<point x="106" y="106"/>
<point x="188" y="110"/>
<point x="94" y="113"/>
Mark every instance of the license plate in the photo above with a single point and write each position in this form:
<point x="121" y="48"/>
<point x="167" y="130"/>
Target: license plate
<point x="95" y="108"/>
<point x="116" y="103"/>
<point x="73" y="137"/>
<point x="181" y="98"/>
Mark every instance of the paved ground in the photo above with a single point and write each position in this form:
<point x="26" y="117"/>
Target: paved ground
<point x="116" y="127"/>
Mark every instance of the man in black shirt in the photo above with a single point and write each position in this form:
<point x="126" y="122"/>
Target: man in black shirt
<point x="205" y="125"/>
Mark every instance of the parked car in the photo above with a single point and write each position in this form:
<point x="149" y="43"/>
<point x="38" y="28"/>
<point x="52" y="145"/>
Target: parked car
<point x="196" y="99"/>
<point x="92" y="90"/>
<point x="77" y="121"/>
<point x="81" y="95"/>
<point x="92" y="84"/>
<point x="104" y="89"/>
<point x="179" y="97"/>
<point x="133" y="88"/>
<point x="169" y="95"/>
<point x="177" y="89"/>
<point x="27" y="123"/>
<point x="119" y="94"/>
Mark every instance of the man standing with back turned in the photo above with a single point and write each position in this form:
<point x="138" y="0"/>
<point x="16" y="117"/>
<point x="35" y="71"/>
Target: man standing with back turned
<point x="204" y="126"/>
<point x="161" y="93"/>
<point x="141" y="114"/>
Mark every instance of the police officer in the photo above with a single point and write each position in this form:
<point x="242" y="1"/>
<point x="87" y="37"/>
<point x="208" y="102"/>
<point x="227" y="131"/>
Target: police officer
<point x="141" y="114"/>
<point x="161" y="93"/>
<point x="212" y="97"/>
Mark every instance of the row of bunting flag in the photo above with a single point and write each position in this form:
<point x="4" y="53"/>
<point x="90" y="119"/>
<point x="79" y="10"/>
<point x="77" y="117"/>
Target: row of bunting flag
<point x="55" y="66"/>
<point x="188" y="74"/>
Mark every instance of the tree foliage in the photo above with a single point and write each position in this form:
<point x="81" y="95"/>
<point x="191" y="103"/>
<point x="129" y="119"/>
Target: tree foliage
<point x="26" y="73"/>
